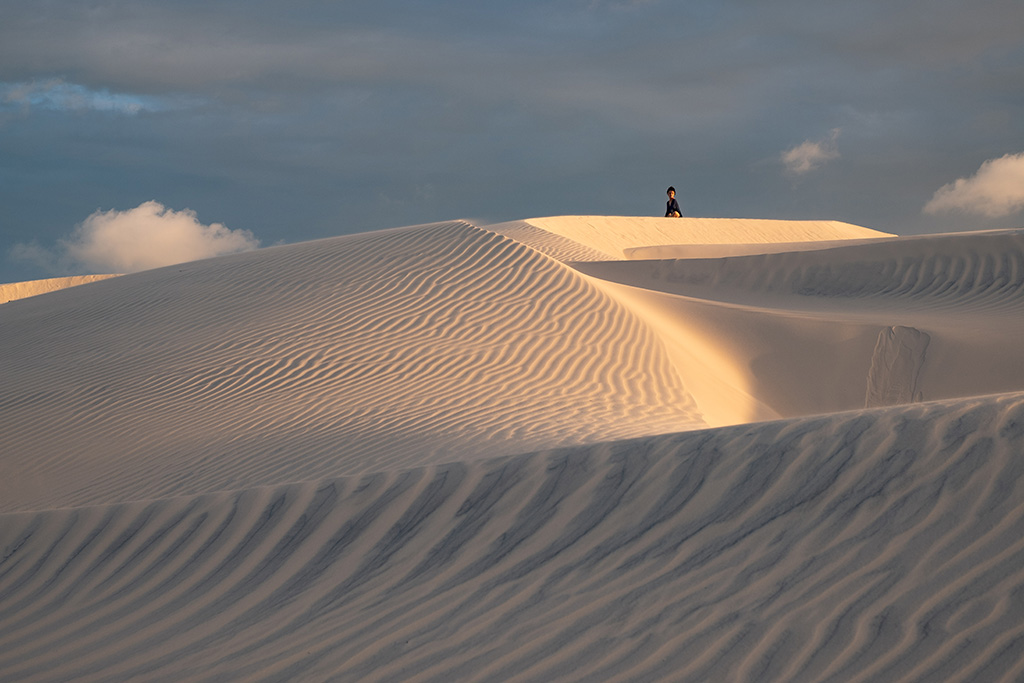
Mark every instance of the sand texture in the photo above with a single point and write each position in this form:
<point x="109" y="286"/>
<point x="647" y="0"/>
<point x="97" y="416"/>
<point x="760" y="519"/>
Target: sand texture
<point x="563" y="449"/>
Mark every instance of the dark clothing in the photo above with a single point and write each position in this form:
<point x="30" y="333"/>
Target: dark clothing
<point x="672" y="208"/>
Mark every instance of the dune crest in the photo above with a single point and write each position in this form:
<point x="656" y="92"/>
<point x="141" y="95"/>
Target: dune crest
<point x="564" y="449"/>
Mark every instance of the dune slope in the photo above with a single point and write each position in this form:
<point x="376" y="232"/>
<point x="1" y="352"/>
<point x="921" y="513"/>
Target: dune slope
<point x="347" y="355"/>
<point x="884" y="545"/>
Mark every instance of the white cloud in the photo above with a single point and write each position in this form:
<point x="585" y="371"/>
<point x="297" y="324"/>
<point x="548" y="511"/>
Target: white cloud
<point x="997" y="189"/>
<point x="809" y="155"/>
<point x="148" y="236"/>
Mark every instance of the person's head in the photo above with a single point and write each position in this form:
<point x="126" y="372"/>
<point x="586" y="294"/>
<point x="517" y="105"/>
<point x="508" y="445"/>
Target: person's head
<point x="671" y="191"/>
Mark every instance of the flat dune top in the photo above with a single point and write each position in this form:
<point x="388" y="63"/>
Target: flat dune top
<point x="571" y="448"/>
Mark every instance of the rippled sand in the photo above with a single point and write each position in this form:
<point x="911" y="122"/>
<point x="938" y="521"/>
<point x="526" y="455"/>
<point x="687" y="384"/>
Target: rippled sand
<point x="574" y="448"/>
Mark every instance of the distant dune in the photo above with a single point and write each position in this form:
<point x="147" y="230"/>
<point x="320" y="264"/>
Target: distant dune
<point x="579" y="448"/>
<point x="22" y="290"/>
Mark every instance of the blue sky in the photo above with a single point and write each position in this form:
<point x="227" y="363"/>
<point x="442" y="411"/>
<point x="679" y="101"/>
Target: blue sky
<point x="300" y="120"/>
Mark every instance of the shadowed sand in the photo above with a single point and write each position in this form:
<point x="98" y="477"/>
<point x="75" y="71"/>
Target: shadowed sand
<point x="776" y="450"/>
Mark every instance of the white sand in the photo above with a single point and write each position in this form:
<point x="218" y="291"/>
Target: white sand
<point x="524" y="452"/>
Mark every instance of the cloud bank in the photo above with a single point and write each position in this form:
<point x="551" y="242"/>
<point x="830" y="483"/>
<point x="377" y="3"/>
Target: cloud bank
<point x="996" y="190"/>
<point x="148" y="236"/>
<point x="809" y="155"/>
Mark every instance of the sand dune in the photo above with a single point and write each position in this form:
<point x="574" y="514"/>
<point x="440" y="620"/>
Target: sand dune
<point x="382" y="350"/>
<point x="775" y="451"/>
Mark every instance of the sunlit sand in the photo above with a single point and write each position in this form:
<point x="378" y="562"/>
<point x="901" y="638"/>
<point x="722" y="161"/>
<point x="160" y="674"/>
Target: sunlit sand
<point x="23" y="290"/>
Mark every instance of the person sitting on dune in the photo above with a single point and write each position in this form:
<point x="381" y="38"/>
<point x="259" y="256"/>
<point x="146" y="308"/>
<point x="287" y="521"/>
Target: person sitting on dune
<point x="672" y="208"/>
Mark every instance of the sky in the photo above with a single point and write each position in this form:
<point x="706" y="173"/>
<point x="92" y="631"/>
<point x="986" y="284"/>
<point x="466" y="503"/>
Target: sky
<point x="135" y="132"/>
